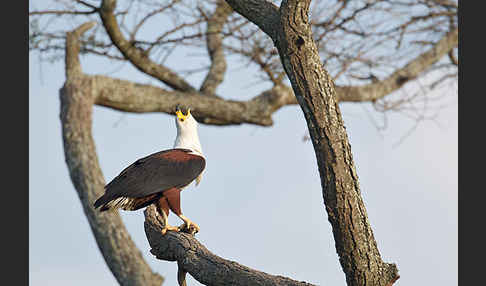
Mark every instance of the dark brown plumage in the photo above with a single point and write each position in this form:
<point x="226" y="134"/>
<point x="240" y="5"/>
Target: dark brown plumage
<point x="146" y="180"/>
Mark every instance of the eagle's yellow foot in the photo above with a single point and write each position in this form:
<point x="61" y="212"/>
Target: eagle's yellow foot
<point x="169" y="227"/>
<point x="188" y="224"/>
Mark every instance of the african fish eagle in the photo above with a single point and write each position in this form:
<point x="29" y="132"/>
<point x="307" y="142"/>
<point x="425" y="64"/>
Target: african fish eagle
<point x="160" y="177"/>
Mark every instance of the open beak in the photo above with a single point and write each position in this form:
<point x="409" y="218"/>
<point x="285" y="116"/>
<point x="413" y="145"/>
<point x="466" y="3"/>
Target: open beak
<point x="180" y="114"/>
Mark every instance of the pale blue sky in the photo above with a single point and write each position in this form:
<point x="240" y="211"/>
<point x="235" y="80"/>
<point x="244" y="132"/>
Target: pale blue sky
<point x="260" y="201"/>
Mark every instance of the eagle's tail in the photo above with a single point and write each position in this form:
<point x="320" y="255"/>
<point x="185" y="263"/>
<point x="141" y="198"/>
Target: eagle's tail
<point x="102" y="202"/>
<point x="125" y="203"/>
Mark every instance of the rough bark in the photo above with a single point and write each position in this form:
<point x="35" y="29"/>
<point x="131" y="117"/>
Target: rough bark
<point x="119" y="251"/>
<point x="204" y="266"/>
<point x="264" y="14"/>
<point x="315" y="92"/>
<point x="314" y="89"/>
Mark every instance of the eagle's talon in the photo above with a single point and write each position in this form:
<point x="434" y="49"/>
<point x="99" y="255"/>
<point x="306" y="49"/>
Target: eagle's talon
<point x="165" y="229"/>
<point x="190" y="227"/>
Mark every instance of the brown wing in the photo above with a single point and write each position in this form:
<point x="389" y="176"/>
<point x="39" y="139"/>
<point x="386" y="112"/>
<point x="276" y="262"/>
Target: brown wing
<point x="154" y="174"/>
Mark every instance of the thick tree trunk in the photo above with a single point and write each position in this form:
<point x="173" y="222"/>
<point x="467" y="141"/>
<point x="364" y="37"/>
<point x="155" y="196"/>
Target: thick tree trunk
<point x="120" y="252"/>
<point x="315" y="92"/>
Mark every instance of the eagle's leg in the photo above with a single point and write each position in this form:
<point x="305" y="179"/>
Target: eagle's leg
<point x="163" y="208"/>
<point x="188" y="223"/>
<point x="174" y="198"/>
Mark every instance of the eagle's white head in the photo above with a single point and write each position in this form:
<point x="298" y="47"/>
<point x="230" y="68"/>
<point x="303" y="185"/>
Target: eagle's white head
<point x="187" y="136"/>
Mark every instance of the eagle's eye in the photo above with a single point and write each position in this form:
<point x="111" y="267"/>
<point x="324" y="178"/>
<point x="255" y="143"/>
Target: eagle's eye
<point x="181" y="119"/>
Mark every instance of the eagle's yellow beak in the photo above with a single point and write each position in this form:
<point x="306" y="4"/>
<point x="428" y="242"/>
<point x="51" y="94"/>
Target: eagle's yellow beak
<point x="181" y="115"/>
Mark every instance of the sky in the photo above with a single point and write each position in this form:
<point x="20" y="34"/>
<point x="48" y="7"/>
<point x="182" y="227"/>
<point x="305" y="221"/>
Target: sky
<point x="260" y="201"/>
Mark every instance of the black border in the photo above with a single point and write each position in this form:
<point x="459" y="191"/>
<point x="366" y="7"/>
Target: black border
<point x="471" y="205"/>
<point x="15" y="143"/>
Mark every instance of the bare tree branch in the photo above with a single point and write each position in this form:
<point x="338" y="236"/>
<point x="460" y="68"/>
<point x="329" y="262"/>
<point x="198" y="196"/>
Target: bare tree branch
<point x="262" y="13"/>
<point x="197" y="260"/>
<point x="136" y="56"/>
<point x="412" y="70"/>
<point x="127" y="96"/>
<point x="62" y="12"/>
<point x="214" y="41"/>
<point x="148" y="16"/>
<point x="453" y="58"/>
<point x="73" y="66"/>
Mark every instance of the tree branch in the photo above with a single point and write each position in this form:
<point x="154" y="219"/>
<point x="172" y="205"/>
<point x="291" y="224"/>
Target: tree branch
<point x="137" y="27"/>
<point x="62" y="12"/>
<point x="262" y="13"/>
<point x="127" y="96"/>
<point x="119" y="251"/>
<point x="197" y="260"/>
<point x="397" y="79"/>
<point x="136" y="56"/>
<point x="73" y="66"/>
<point x="214" y="41"/>
<point x="453" y="58"/>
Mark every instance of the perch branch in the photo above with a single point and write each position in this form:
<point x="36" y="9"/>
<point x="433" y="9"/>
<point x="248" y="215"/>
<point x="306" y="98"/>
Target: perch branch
<point x="194" y="258"/>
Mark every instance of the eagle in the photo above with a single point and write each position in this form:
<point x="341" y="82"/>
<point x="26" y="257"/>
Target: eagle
<point x="160" y="177"/>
